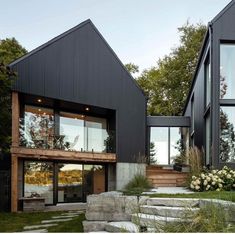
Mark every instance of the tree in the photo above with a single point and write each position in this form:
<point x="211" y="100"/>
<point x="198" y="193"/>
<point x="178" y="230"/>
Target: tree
<point x="167" y="84"/>
<point x="152" y="153"/>
<point x="132" y="68"/>
<point x="10" y="49"/>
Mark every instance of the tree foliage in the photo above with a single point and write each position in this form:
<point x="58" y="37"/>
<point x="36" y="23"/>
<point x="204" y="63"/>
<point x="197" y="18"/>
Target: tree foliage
<point x="132" y="68"/>
<point x="10" y="49"/>
<point x="167" y="84"/>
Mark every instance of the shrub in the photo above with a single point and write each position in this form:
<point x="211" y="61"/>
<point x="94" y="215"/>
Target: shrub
<point x="214" y="180"/>
<point x="208" y="219"/>
<point x="137" y="185"/>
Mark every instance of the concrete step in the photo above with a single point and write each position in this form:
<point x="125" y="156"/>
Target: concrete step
<point x="124" y="226"/>
<point x="166" y="211"/>
<point x="176" y="202"/>
<point x="153" y="221"/>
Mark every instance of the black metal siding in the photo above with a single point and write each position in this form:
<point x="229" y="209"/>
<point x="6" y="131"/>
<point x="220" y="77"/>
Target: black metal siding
<point x="80" y="67"/>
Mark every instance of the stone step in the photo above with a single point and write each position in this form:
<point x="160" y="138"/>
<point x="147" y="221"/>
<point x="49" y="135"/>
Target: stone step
<point x="37" y="231"/>
<point x="166" y="211"/>
<point x="56" y="220"/>
<point x="123" y="226"/>
<point x="153" y="221"/>
<point x="72" y="213"/>
<point x="183" y="202"/>
<point x="31" y="227"/>
<point x="93" y="226"/>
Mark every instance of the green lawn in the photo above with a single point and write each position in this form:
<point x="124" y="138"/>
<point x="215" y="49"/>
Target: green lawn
<point x="14" y="222"/>
<point x="223" y="195"/>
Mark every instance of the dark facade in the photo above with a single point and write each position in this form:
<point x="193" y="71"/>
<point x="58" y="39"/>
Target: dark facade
<point x="210" y="103"/>
<point x="80" y="67"/>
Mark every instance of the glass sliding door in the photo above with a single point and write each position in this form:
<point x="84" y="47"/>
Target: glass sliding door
<point x="70" y="182"/>
<point x="38" y="180"/>
<point x="159" y="145"/>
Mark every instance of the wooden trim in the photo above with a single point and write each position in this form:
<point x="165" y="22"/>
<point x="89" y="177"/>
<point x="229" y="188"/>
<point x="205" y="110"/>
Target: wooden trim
<point x="14" y="183"/>
<point x="62" y="155"/>
<point x="15" y="119"/>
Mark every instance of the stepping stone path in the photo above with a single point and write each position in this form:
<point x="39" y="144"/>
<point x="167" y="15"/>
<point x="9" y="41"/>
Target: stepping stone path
<point x="42" y="228"/>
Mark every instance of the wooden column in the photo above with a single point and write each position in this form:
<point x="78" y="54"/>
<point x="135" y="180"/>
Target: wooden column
<point x="15" y="119"/>
<point x="14" y="158"/>
<point x="14" y="183"/>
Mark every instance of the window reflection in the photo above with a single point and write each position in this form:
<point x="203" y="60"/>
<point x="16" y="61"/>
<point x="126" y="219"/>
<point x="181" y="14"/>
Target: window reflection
<point x="227" y="71"/>
<point x="38" y="128"/>
<point x="208" y="81"/>
<point x="38" y="180"/>
<point x="176" y="144"/>
<point x="70" y="182"/>
<point x="227" y="134"/>
<point x="159" y="140"/>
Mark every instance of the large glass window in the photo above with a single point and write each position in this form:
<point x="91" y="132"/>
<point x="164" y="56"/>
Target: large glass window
<point x="37" y="130"/>
<point x="72" y="131"/>
<point x="166" y="143"/>
<point x="227" y="134"/>
<point x="175" y="143"/>
<point x="227" y="71"/>
<point x="38" y="180"/>
<point x="159" y="145"/>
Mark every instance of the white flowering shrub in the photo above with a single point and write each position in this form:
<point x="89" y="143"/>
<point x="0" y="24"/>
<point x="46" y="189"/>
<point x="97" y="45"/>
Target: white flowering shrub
<point x="214" y="180"/>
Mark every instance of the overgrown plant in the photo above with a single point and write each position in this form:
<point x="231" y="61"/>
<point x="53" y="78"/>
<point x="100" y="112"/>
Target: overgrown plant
<point x="195" y="160"/>
<point x="210" y="218"/>
<point x="137" y="185"/>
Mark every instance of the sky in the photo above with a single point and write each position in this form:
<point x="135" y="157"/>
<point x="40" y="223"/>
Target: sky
<point x="139" y="31"/>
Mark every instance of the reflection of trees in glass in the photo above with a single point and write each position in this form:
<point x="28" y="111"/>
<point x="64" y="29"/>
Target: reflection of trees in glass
<point x="109" y="142"/>
<point x="223" y="86"/>
<point x="227" y="138"/>
<point x="70" y="177"/>
<point x="38" y="173"/>
<point x="37" y="131"/>
<point x="152" y="153"/>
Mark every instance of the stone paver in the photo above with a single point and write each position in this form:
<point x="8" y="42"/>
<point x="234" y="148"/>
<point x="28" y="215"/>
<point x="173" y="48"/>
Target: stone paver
<point x="169" y="190"/>
<point x="64" y="216"/>
<point x="56" y="220"/>
<point x="184" y="202"/>
<point x="37" y="231"/>
<point x="38" y="226"/>
<point x="123" y="226"/>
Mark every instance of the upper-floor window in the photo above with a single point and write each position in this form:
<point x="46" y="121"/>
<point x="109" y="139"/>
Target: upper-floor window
<point x="227" y="71"/>
<point x="208" y="80"/>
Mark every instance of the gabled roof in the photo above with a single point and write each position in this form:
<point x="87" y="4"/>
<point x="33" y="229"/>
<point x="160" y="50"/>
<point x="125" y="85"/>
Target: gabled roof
<point x="88" y="21"/>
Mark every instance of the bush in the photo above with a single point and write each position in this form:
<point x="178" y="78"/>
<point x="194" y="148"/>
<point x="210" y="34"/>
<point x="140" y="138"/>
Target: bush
<point x="214" y="180"/>
<point x="137" y="185"/>
<point x="208" y="219"/>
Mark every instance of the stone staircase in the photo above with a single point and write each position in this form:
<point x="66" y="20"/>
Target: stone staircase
<point x="154" y="214"/>
<point x="165" y="177"/>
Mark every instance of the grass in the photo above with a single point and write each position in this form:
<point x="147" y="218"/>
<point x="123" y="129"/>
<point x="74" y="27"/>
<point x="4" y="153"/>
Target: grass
<point x="14" y="222"/>
<point x="222" y="195"/>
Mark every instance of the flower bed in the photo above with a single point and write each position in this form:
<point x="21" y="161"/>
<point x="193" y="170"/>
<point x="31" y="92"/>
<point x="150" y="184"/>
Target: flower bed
<point x="214" y="180"/>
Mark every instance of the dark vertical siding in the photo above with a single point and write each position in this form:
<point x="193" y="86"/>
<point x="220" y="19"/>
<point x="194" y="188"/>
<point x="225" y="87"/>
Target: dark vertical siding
<point x="80" y="67"/>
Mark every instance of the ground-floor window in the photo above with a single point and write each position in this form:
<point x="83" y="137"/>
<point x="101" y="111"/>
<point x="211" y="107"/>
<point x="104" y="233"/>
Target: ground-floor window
<point x="227" y="134"/>
<point x="62" y="182"/>
<point x="166" y="143"/>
